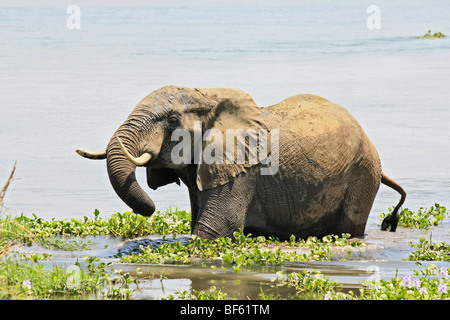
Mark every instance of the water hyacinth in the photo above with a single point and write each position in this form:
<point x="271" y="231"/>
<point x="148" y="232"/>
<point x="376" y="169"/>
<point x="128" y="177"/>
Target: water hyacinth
<point x="442" y="288"/>
<point x="423" y="218"/>
<point x="407" y="281"/>
<point x="423" y="290"/>
<point x="237" y="254"/>
<point x="429" y="283"/>
<point x="427" y="250"/>
<point x="416" y="283"/>
<point x="26" y="284"/>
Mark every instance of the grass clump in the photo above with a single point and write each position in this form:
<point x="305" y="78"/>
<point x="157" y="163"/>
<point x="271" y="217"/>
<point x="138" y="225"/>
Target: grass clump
<point x="422" y="219"/>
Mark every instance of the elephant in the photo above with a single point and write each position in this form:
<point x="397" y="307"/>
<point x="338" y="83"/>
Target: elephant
<point x="321" y="176"/>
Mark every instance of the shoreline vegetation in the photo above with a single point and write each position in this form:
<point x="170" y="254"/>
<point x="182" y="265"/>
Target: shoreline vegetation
<point x="23" y="276"/>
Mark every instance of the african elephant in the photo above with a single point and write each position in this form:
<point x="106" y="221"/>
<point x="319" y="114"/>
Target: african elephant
<point x="322" y="171"/>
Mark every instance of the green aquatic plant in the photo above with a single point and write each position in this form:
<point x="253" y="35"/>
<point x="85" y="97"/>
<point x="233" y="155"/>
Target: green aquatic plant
<point x="306" y="284"/>
<point x="66" y="244"/>
<point x="430" y="283"/>
<point x="22" y="280"/>
<point x="126" y="225"/>
<point x="213" y="294"/>
<point x="23" y="276"/>
<point x="17" y="281"/>
<point x="42" y="228"/>
<point x="428" y="35"/>
<point x="242" y="250"/>
<point x="309" y="284"/>
<point x="129" y="225"/>
<point x="170" y="222"/>
<point x="429" y="251"/>
<point x="422" y="219"/>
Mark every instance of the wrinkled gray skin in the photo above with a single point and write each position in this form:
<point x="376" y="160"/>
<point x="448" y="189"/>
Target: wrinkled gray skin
<point x="329" y="171"/>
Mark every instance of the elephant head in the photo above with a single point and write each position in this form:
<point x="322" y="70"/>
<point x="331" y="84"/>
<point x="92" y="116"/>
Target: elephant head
<point x="146" y="139"/>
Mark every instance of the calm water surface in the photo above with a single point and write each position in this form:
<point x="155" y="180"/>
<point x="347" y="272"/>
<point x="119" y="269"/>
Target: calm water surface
<point x="63" y="89"/>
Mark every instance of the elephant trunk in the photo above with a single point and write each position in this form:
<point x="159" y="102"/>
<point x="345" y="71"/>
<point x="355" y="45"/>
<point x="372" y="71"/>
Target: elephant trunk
<point x="121" y="172"/>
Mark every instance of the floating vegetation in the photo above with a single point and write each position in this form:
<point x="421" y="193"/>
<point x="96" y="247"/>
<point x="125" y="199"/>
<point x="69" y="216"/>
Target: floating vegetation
<point x="429" y="251"/>
<point x="244" y="250"/>
<point x="213" y="294"/>
<point x="22" y="276"/>
<point x="430" y="283"/>
<point x="422" y="219"/>
<point x="428" y="35"/>
<point x="21" y="280"/>
<point x="125" y="225"/>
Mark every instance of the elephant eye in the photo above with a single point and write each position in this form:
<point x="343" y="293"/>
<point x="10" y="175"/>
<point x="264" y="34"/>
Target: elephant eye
<point x="173" y="119"/>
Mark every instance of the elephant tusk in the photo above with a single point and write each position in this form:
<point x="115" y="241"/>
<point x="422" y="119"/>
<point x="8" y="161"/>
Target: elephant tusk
<point x="141" y="161"/>
<point x="91" y="155"/>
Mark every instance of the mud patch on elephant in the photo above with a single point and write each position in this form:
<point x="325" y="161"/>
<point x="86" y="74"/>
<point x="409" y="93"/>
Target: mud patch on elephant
<point x="134" y="246"/>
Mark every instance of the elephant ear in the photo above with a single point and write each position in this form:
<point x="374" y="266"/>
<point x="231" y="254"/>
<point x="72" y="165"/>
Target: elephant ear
<point x="158" y="177"/>
<point x="235" y="118"/>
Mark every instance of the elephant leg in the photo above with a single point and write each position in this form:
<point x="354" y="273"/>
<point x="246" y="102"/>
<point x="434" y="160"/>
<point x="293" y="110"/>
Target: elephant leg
<point x="357" y="204"/>
<point x="194" y="208"/>
<point x="222" y="210"/>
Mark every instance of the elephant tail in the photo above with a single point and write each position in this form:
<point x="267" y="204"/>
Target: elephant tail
<point x="391" y="221"/>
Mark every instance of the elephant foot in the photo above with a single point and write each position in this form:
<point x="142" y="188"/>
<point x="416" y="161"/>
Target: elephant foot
<point x="205" y="234"/>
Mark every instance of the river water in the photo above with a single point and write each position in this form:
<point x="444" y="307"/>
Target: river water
<point x="64" y="87"/>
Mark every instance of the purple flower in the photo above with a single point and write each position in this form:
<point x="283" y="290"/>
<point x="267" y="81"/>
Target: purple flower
<point x="423" y="290"/>
<point x="444" y="273"/>
<point x="169" y="221"/>
<point x="407" y="281"/>
<point x="416" y="283"/>
<point x="26" y="284"/>
<point x="442" y="288"/>
<point x="328" y="297"/>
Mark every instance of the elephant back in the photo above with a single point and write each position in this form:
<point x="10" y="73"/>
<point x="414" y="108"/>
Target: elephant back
<point x="323" y="137"/>
<point x="314" y="113"/>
